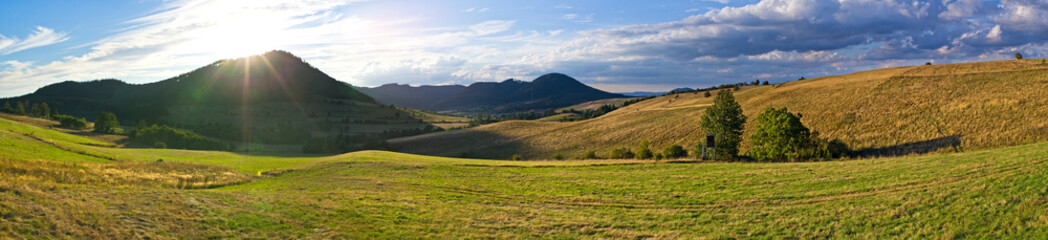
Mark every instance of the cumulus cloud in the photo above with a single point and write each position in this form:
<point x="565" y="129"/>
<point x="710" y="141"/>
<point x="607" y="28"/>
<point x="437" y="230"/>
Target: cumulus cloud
<point x="42" y="36"/>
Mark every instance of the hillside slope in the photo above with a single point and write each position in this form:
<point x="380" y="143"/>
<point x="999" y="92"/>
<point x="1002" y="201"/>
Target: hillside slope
<point x="894" y="111"/>
<point x="52" y="186"/>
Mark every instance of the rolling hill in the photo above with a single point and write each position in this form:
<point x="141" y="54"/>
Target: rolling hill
<point x="258" y="98"/>
<point x="885" y="112"/>
<point x="56" y="185"/>
<point x="548" y="91"/>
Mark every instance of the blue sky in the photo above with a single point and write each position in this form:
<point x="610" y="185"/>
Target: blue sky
<point x="614" y="45"/>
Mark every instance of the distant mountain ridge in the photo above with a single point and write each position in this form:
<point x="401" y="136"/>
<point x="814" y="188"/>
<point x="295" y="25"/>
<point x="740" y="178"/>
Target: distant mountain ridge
<point x="553" y="90"/>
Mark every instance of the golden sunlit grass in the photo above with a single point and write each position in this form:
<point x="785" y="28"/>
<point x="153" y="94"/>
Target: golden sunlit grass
<point x="979" y="105"/>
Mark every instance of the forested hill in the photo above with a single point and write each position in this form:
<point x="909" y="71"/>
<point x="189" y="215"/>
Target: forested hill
<point x="549" y="91"/>
<point x="275" y="76"/>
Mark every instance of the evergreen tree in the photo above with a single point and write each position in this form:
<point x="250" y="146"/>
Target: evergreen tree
<point x="106" y="123"/>
<point x="7" y="108"/>
<point x="725" y="119"/>
<point x="53" y="114"/>
<point x="20" y="108"/>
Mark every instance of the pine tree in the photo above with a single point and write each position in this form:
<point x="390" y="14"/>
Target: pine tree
<point x="725" y="119"/>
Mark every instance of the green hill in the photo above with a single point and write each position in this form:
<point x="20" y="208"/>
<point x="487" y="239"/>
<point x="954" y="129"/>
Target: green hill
<point x="54" y="186"/>
<point x="885" y="112"/>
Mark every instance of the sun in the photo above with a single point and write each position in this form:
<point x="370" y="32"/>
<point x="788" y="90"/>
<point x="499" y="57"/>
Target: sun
<point x="239" y="36"/>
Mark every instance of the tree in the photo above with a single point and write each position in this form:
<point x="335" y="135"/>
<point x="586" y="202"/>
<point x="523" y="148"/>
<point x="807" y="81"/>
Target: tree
<point x="20" y="108"/>
<point x="765" y="82"/>
<point x="45" y="110"/>
<point x="756" y="82"/>
<point x="706" y="93"/>
<point x="643" y="152"/>
<point x="928" y="64"/>
<point x="780" y="135"/>
<point x="54" y="112"/>
<point x="674" y="151"/>
<point x="1018" y="56"/>
<point x="724" y="119"/>
<point x="106" y="123"/>
<point x="7" y="108"/>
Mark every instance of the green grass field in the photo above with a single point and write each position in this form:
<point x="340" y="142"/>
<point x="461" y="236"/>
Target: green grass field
<point x="54" y="186"/>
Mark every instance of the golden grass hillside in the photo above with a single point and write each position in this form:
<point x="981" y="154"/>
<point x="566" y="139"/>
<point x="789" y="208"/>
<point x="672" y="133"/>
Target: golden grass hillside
<point x="893" y="111"/>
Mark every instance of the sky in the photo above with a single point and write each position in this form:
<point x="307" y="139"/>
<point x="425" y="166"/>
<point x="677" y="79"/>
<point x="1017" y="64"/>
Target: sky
<point x="617" y="46"/>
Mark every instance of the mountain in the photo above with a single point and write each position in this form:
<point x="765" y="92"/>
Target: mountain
<point x="641" y="94"/>
<point x="548" y="91"/>
<point x="404" y="95"/>
<point x="255" y="97"/>
<point x="884" y="112"/>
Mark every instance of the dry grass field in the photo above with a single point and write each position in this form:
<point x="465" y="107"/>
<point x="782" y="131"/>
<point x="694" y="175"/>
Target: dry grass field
<point x="885" y="112"/>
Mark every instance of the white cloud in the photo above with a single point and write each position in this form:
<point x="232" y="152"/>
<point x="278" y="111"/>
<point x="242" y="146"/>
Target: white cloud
<point x="492" y="27"/>
<point x="42" y="36"/>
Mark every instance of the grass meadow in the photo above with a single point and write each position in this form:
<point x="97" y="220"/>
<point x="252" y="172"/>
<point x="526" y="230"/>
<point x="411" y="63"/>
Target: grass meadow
<point x="65" y="188"/>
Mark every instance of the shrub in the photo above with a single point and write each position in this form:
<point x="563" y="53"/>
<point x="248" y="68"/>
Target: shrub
<point x="517" y="157"/>
<point x="643" y="152"/>
<point x="765" y="82"/>
<point x="558" y="156"/>
<point x="706" y="94"/>
<point x="160" y="145"/>
<point x="176" y="138"/>
<point x="70" y="122"/>
<point x="674" y="151"/>
<point x="620" y="153"/>
<point x="658" y="156"/>
<point x="725" y="119"/>
<point x="106" y="123"/>
<point x="590" y="155"/>
<point x="1018" y="56"/>
<point x="928" y="64"/>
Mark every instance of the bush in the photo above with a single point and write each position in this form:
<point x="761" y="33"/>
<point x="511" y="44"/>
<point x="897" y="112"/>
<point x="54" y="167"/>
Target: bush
<point x="674" y="152"/>
<point x="558" y="156"/>
<point x="725" y="119"/>
<point x="1018" y="56"/>
<point x="70" y="122"/>
<point x="643" y="152"/>
<point x="590" y="155"/>
<point x="517" y="157"/>
<point x="620" y="153"/>
<point x="658" y="156"/>
<point x="176" y="138"/>
<point x="160" y="145"/>
<point x="706" y="94"/>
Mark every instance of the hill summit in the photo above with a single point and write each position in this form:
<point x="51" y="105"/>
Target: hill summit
<point x="553" y="90"/>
